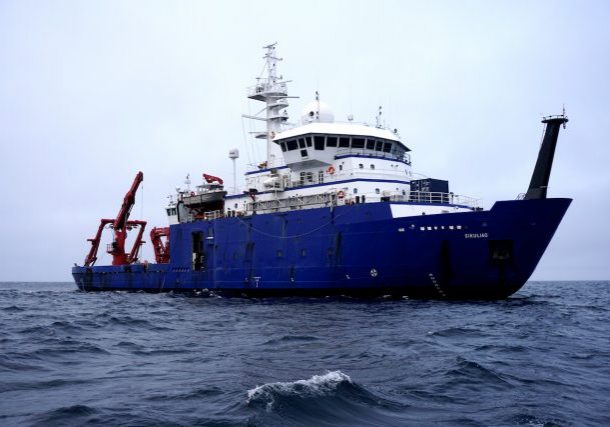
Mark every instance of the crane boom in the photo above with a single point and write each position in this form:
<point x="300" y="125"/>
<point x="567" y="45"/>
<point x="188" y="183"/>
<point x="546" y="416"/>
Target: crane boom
<point x="120" y="225"/>
<point x="128" y="202"/>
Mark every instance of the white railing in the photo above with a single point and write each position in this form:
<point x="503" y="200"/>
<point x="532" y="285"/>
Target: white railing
<point x="436" y="198"/>
<point x="405" y="157"/>
<point x="213" y="214"/>
<point x="264" y="89"/>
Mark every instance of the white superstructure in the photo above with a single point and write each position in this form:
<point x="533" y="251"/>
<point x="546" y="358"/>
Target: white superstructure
<point x="323" y="163"/>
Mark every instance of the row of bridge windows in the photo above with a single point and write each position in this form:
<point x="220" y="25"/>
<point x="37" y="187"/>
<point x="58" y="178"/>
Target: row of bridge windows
<point x="319" y="142"/>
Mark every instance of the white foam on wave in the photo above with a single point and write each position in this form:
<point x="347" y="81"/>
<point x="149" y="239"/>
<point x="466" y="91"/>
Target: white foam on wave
<point x="315" y="386"/>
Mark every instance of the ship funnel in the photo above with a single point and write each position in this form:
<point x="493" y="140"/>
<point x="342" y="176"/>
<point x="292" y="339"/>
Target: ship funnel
<point x="542" y="171"/>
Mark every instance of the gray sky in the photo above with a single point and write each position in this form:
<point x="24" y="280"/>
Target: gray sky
<point x="93" y="91"/>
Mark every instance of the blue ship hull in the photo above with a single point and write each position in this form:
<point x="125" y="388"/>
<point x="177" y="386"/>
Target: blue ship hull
<point x="358" y="250"/>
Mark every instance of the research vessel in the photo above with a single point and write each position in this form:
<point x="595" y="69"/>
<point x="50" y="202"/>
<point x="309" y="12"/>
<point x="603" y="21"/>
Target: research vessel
<point x="334" y="209"/>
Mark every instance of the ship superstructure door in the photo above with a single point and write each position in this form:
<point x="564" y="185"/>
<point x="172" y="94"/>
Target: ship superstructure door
<point x="198" y="251"/>
<point x="203" y="247"/>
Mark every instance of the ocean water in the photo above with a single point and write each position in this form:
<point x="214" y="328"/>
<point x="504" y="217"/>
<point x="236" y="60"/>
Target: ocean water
<point x="540" y="358"/>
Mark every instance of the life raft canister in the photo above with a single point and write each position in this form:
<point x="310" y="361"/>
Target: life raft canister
<point x="331" y="169"/>
<point x="341" y="194"/>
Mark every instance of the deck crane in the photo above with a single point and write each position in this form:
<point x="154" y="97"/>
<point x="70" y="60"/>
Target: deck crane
<point x="159" y="237"/>
<point x="121" y="225"/>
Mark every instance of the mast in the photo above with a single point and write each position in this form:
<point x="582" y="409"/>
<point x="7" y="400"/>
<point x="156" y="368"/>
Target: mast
<point x="271" y="90"/>
<point x="542" y="171"/>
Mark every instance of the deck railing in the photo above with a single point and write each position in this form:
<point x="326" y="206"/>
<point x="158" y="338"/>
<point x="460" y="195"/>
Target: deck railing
<point x="392" y="155"/>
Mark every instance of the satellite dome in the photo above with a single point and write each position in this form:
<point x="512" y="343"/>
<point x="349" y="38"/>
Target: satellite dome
<point x="317" y="111"/>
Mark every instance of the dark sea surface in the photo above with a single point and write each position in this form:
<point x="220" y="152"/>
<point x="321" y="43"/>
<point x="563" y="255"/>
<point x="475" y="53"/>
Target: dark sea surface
<point x="540" y="358"/>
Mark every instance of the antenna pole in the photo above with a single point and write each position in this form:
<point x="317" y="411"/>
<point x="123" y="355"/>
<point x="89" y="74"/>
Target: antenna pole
<point x="234" y="155"/>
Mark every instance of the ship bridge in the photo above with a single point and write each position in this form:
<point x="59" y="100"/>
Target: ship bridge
<point x="320" y="144"/>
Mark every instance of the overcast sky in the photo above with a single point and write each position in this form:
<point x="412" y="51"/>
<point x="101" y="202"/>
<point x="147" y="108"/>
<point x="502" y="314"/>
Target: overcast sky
<point x="93" y="91"/>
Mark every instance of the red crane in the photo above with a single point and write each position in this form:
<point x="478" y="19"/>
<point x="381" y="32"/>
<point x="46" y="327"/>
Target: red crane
<point x="121" y="225"/>
<point x="161" y="248"/>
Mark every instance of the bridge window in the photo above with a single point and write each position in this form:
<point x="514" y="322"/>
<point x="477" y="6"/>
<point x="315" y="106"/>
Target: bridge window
<point x="318" y="142"/>
<point x="283" y="145"/>
<point x="291" y="144"/>
<point x="331" y="141"/>
<point x="357" y="142"/>
<point x="302" y="143"/>
<point x="370" y="144"/>
<point x="344" y="142"/>
<point x="379" y="146"/>
<point x="387" y="146"/>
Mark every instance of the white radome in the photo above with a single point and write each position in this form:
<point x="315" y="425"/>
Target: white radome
<point x="317" y="111"/>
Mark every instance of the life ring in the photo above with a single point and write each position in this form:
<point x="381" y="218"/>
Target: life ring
<point x="331" y="169"/>
<point x="341" y="194"/>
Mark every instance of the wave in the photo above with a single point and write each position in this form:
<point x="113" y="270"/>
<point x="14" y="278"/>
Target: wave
<point x="453" y="332"/>
<point x="67" y="414"/>
<point x="69" y="347"/>
<point x="533" y="421"/>
<point x="328" y="399"/>
<point x="197" y="393"/>
<point x="315" y="386"/>
<point x="467" y="373"/>
<point x="290" y="339"/>
<point x="39" y="385"/>
<point x="12" y="309"/>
